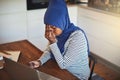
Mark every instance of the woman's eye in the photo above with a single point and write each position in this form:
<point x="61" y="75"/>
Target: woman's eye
<point x="54" y="28"/>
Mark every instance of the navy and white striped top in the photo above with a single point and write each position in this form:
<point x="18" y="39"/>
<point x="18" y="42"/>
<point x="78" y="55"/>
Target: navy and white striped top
<point x="75" y="55"/>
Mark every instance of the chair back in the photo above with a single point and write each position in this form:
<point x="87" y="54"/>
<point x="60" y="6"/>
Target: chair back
<point x="92" y="62"/>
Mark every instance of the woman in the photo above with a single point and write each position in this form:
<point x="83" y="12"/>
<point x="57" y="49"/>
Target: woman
<point x="68" y="43"/>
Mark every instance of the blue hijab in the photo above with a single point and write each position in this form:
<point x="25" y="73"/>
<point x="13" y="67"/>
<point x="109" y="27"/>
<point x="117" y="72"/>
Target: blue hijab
<point x="57" y="15"/>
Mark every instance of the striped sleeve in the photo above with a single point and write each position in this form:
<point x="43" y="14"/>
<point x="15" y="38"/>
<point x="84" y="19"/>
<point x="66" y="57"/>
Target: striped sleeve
<point x="76" y="47"/>
<point x="45" y="56"/>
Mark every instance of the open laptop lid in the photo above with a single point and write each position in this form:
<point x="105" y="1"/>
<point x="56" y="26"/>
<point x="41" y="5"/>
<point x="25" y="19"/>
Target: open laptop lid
<point x="18" y="71"/>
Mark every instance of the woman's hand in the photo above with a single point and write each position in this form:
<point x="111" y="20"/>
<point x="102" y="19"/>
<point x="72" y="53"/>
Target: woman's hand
<point x="49" y="34"/>
<point x="35" y="64"/>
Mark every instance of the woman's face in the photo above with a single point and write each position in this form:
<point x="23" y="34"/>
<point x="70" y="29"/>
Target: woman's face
<point x="56" y="31"/>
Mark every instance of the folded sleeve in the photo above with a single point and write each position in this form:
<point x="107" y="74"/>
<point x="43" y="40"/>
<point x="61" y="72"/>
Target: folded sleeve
<point x="45" y="56"/>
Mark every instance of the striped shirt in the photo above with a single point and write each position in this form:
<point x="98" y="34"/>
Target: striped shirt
<point x="75" y="55"/>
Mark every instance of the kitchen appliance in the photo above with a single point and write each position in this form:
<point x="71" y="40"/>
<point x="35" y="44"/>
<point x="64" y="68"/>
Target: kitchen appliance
<point x="77" y="1"/>
<point x="37" y="4"/>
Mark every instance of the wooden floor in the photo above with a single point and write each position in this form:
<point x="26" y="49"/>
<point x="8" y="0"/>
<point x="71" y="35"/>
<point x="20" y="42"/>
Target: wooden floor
<point x="106" y="72"/>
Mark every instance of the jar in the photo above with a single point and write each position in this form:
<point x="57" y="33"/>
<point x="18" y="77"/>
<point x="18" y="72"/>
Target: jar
<point x="1" y="62"/>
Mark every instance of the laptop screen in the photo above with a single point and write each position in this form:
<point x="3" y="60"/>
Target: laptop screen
<point x="19" y="71"/>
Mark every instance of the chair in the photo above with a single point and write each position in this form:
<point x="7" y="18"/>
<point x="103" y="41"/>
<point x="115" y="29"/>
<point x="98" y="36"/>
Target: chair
<point x="92" y="62"/>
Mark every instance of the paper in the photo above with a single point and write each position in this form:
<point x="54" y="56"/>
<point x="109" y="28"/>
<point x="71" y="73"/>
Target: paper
<point x="14" y="55"/>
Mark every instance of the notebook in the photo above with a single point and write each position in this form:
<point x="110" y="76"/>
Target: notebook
<point x="19" y="71"/>
<point x="14" y="55"/>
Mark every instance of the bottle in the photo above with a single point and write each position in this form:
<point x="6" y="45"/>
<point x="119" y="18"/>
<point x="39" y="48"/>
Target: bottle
<point x="1" y="62"/>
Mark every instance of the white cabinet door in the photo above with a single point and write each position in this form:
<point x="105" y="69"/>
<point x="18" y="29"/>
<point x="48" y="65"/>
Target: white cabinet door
<point x="13" y="27"/>
<point x="72" y="9"/>
<point x="36" y="25"/>
<point x="12" y="6"/>
<point x="36" y="28"/>
<point x="12" y="20"/>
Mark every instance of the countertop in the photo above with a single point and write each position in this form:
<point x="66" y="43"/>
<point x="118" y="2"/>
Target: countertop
<point x="85" y="6"/>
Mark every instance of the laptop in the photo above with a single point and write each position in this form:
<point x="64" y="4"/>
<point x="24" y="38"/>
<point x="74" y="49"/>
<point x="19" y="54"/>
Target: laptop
<point x="18" y="71"/>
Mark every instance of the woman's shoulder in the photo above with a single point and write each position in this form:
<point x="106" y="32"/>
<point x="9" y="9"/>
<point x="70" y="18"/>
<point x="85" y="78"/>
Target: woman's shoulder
<point x="76" y="33"/>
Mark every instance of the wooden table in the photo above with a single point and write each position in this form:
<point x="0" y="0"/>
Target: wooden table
<point x="28" y="53"/>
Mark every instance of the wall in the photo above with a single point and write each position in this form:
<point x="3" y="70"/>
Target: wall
<point x="16" y="23"/>
<point x="103" y="33"/>
<point x="12" y="20"/>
